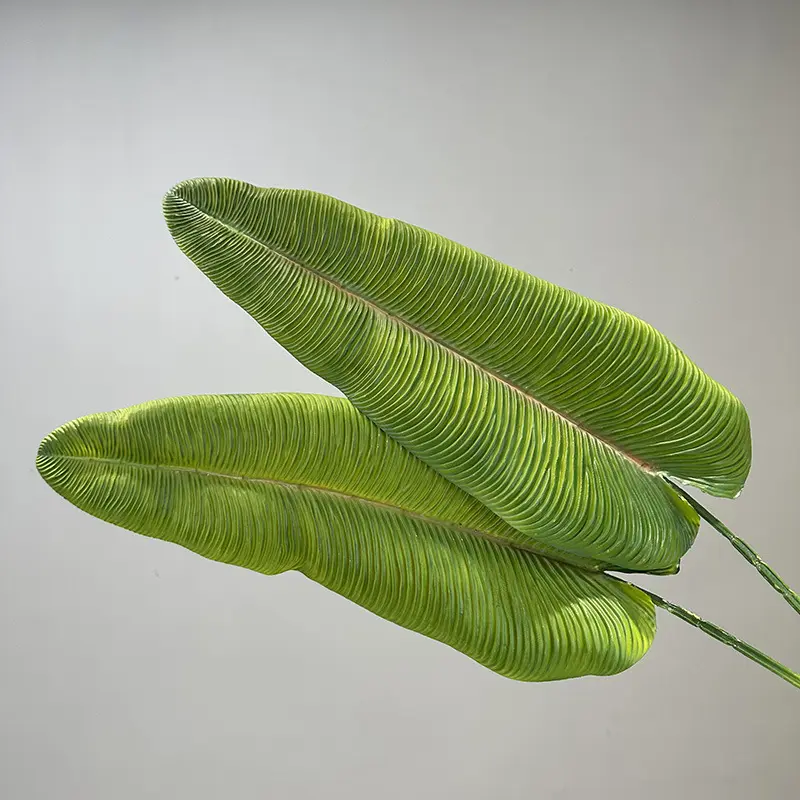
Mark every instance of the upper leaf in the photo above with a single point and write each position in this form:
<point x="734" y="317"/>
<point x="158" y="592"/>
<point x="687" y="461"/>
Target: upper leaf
<point x="557" y="412"/>
<point x="281" y="482"/>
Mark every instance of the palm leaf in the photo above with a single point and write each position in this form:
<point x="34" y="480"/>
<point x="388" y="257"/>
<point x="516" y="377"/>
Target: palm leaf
<point x="303" y="482"/>
<point x="559" y="413"/>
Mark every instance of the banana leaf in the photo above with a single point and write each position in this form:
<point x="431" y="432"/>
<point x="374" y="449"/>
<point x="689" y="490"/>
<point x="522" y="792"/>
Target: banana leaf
<point x="558" y="413"/>
<point x="282" y="482"/>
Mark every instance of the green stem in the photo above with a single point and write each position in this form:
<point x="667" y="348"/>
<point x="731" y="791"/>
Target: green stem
<point x="766" y="572"/>
<point x="723" y="636"/>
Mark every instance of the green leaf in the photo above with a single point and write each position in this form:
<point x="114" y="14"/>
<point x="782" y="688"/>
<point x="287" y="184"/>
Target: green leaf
<point x="559" y="413"/>
<point x="304" y="482"/>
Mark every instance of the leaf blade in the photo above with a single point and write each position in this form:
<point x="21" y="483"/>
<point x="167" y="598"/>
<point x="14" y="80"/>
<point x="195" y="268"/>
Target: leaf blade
<point x="278" y="482"/>
<point x="359" y="300"/>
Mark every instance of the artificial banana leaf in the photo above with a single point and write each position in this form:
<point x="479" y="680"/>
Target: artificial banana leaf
<point x="305" y="482"/>
<point x="559" y="413"/>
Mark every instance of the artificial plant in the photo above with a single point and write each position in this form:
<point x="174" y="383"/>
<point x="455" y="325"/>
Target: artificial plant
<point x="503" y="444"/>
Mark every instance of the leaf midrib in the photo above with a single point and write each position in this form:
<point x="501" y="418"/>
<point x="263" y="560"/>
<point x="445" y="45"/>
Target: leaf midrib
<point x="320" y="490"/>
<point x="642" y="465"/>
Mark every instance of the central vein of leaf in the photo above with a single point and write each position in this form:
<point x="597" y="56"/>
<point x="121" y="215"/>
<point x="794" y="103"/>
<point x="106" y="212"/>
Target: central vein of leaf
<point x="314" y="489"/>
<point x="454" y="351"/>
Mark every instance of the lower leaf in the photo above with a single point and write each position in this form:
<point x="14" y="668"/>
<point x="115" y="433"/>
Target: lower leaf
<point x="286" y="481"/>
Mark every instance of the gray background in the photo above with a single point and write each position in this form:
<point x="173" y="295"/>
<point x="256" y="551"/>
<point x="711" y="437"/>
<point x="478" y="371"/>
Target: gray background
<point x="644" y="154"/>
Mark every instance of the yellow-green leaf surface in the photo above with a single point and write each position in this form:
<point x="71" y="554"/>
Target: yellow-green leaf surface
<point x="559" y="413"/>
<point x="304" y="482"/>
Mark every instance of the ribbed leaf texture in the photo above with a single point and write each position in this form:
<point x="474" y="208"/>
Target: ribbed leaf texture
<point x="559" y="413"/>
<point x="305" y="482"/>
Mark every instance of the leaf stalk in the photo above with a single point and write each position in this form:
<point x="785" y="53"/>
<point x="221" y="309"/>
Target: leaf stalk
<point x="744" y="549"/>
<point x="721" y="635"/>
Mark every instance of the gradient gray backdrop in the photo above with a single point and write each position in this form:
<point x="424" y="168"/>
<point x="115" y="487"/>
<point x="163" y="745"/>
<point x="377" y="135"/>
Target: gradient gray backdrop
<point x="644" y="154"/>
